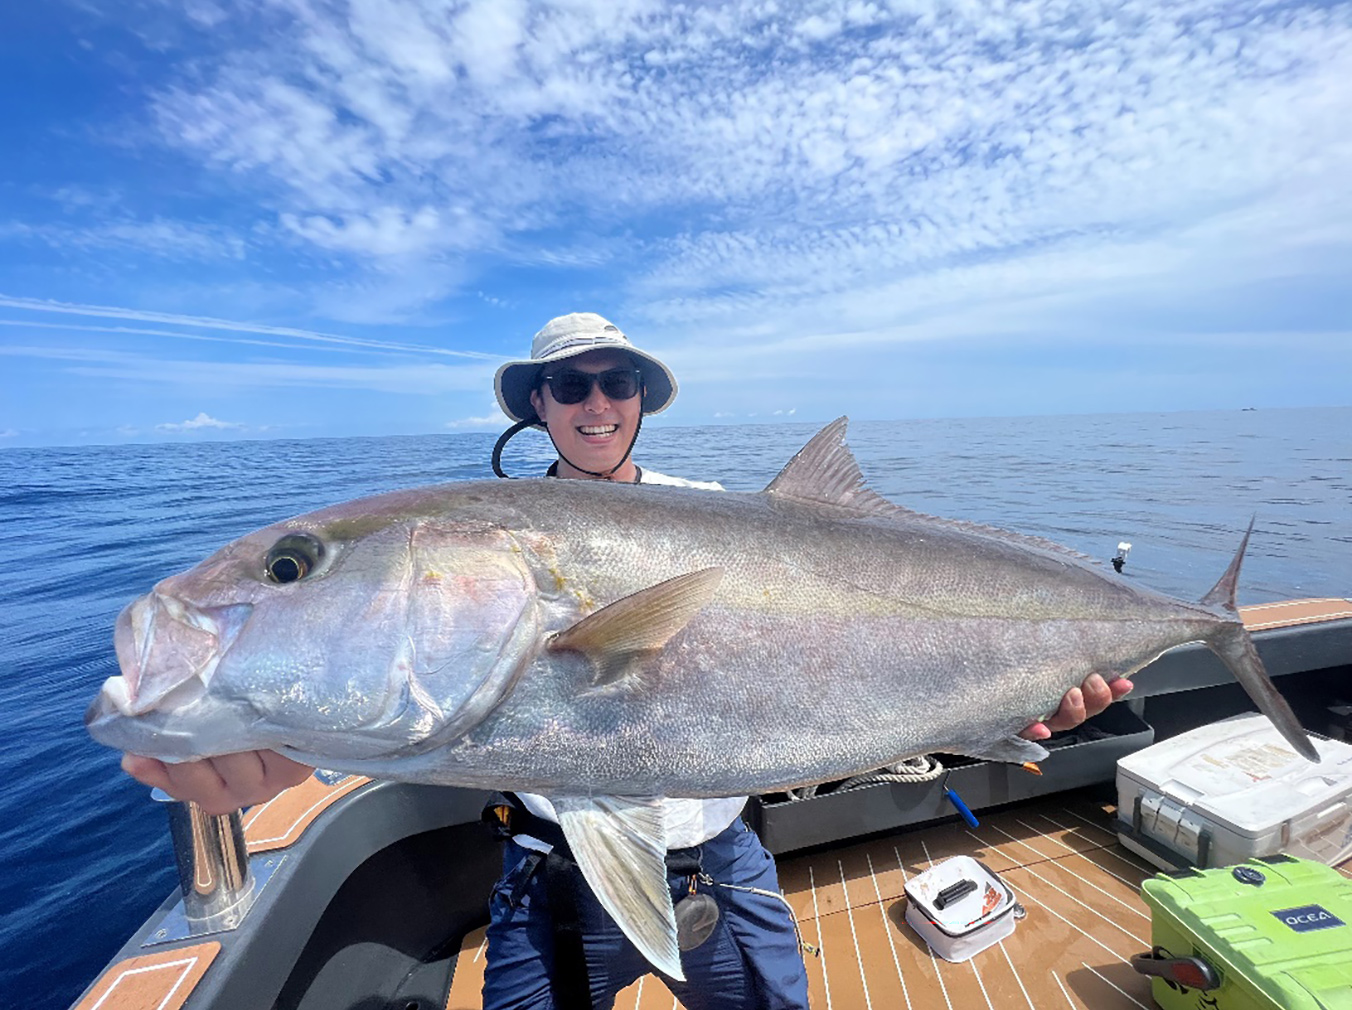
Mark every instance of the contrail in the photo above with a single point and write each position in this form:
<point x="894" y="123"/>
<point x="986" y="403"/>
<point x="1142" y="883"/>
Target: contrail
<point x="206" y="322"/>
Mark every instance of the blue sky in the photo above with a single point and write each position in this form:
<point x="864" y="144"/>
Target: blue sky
<point x="294" y="218"/>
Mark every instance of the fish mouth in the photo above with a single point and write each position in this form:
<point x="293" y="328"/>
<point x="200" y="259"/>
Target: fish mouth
<point x="168" y="651"/>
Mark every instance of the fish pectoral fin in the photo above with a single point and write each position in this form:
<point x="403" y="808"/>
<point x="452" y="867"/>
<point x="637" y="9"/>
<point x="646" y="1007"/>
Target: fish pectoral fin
<point x="619" y="637"/>
<point x="620" y="844"/>
<point x="1012" y="749"/>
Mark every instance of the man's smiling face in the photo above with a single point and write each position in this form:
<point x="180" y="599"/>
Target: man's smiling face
<point x="595" y="433"/>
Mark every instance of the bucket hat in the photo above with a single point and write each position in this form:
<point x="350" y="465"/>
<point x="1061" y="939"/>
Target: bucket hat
<point x="566" y="337"/>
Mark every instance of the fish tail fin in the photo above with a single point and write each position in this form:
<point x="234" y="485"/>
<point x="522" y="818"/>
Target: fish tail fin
<point x="1235" y="648"/>
<point x="1231" y="642"/>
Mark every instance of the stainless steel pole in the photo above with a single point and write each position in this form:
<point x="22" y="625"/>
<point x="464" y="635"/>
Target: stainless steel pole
<point x="213" y="861"/>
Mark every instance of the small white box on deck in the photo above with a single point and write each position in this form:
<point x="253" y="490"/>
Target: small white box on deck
<point x="1232" y="790"/>
<point x="960" y="907"/>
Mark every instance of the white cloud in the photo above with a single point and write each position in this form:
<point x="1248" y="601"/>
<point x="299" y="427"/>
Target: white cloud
<point x="202" y="420"/>
<point x="204" y="13"/>
<point x="383" y="231"/>
<point x="736" y="161"/>
<point x="354" y="100"/>
<point x="8" y="433"/>
<point x="74" y="198"/>
<point x="158" y="237"/>
<point x="495" y="418"/>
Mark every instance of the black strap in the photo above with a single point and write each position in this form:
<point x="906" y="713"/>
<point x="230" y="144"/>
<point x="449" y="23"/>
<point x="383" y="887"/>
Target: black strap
<point x="683" y="862"/>
<point x="533" y="862"/>
<point x="569" y="981"/>
<point x="638" y="426"/>
<point x="553" y="471"/>
<point x="496" y="458"/>
<point x="507" y="816"/>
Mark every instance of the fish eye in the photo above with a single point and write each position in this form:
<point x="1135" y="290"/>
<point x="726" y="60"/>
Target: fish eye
<point x="293" y="557"/>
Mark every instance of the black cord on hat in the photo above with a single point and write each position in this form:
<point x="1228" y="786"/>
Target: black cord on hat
<point x="534" y="419"/>
<point x="503" y="439"/>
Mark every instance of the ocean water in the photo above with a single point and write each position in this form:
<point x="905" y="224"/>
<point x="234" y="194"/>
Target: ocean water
<point x="84" y="854"/>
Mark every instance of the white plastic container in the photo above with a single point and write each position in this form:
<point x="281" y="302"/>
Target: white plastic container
<point x="978" y="912"/>
<point x="1234" y="789"/>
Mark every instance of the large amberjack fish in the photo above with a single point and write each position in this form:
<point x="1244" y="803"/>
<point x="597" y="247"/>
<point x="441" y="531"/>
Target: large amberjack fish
<point x="607" y="645"/>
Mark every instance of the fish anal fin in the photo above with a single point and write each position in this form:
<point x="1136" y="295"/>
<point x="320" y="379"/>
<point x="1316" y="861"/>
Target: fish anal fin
<point x="620" y="638"/>
<point x="620" y="844"/>
<point x="1011" y="750"/>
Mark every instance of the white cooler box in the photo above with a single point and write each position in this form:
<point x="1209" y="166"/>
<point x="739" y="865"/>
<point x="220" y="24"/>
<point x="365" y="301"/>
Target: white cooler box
<point x="1231" y="790"/>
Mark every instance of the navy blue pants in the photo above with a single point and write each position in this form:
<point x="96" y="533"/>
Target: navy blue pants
<point x="751" y="962"/>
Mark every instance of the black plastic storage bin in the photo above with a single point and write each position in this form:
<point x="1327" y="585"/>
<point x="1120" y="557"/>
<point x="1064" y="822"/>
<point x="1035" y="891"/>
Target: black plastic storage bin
<point x="785" y="825"/>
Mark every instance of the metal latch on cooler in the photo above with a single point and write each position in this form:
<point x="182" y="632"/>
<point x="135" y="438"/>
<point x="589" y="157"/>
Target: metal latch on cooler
<point x="1173" y="824"/>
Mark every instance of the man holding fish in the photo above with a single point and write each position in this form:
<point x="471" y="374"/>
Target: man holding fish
<point x="589" y="388"/>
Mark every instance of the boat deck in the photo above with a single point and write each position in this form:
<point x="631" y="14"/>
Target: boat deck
<point x="1080" y="888"/>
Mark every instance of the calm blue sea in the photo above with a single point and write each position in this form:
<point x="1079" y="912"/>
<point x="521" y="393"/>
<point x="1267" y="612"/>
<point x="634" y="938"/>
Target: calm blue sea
<point x="85" y="854"/>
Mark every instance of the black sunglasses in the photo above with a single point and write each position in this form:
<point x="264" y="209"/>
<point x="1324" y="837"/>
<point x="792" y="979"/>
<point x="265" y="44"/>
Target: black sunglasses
<point x="573" y="386"/>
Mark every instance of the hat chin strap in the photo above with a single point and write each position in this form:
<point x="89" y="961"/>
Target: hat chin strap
<point x="603" y="474"/>
<point x="496" y="459"/>
<point x="534" y="419"/>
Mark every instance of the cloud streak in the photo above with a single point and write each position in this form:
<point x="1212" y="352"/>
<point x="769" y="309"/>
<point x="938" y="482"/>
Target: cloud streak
<point x="409" y="378"/>
<point x="166" y="239"/>
<point x="202" y="322"/>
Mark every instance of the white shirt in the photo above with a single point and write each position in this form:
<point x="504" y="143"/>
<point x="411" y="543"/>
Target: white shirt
<point x="653" y="477"/>
<point x="689" y="822"/>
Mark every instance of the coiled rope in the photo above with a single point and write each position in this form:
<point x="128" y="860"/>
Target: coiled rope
<point x="922" y="768"/>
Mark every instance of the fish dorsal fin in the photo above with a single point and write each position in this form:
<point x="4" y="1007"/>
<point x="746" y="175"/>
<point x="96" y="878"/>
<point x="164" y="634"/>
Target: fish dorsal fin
<point x="620" y="844"/>
<point x="825" y="472"/>
<point x="619" y="638"/>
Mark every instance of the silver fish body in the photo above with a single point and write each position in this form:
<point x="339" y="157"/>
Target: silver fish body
<point x="588" y="640"/>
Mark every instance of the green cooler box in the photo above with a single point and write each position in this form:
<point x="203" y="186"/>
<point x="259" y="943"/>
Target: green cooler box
<point x="1273" y="933"/>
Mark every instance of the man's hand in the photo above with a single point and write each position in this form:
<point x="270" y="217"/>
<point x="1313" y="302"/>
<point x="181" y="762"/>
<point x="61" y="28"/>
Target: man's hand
<point x="1079" y="704"/>
<point x="220" y="785"/>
